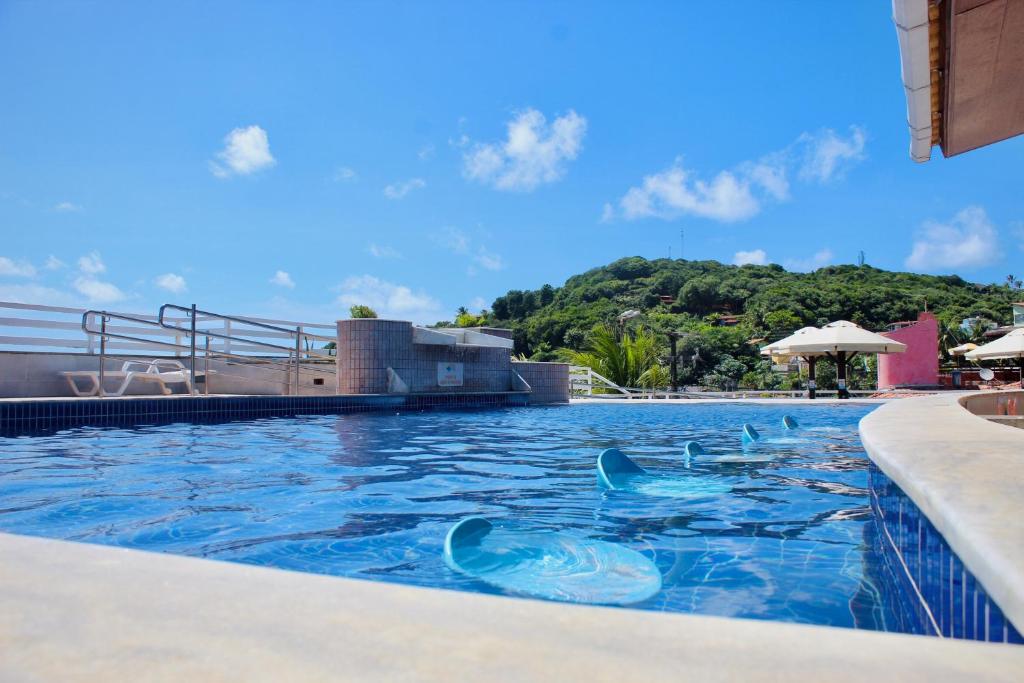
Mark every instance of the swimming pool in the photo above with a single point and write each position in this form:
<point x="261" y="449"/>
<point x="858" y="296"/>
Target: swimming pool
<point x="787" y="536"/>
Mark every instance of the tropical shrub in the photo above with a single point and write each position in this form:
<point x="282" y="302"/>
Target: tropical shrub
<point x="634" y="360"/>
<point x="361" y="311"/>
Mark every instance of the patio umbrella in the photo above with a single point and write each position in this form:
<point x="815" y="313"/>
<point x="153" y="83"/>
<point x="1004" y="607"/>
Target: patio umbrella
<point x="958" y="352"/>
<point x="1009" y="346"/>
<point x="780" y="350"/>
<point x="962" y="349"/>
<point x="842" y="340"/>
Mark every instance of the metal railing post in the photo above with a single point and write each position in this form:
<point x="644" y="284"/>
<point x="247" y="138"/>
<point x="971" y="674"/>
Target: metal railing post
<point x="298" y="351"/>
<point x="192" y="352"/>
<point x="89" y="338"/>
<point x="103" y="353"/>
<point x="206" y="368"/>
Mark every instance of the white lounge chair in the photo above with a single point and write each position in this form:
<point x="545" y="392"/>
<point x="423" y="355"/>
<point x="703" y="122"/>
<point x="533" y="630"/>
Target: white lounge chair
<point x="160" y="372"/>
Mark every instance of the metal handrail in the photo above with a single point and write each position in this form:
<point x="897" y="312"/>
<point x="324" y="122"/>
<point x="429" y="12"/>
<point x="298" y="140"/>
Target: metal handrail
<point x="192" y="312"/>
<point x="58" y="330"/>
<point x="89" y="316"/>
<point x="106" y="315"/>
<point x="104" y="335"/>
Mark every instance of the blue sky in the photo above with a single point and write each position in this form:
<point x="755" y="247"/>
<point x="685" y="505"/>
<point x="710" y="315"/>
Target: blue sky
<point x="288" y="159"/>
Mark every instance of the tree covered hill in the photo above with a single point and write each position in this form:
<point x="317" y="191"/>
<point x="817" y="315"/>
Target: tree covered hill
<point x="691" y="296"/>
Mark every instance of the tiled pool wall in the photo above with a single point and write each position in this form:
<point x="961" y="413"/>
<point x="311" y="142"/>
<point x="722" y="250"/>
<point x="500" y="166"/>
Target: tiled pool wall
<point x="368" y="346"/>
<point x="549" y="382"/>
<point x="931" y="589"/>
<point x="27" y="417"/>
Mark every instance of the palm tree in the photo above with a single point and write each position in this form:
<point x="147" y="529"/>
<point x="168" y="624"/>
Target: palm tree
<point x="950" y="336"/>
<point x="633" y="361"/>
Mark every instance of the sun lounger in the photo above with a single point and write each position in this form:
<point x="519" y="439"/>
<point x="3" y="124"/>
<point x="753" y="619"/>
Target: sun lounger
<point x="159" y="372"/>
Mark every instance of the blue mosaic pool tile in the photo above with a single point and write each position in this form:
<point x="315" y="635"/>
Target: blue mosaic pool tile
<point x="28" y="417"/>
<point x="919" y="562"/>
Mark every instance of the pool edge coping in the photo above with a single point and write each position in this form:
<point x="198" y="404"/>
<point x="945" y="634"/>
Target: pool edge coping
<point x="82" y="611"/>
<point x="964" y="474"/>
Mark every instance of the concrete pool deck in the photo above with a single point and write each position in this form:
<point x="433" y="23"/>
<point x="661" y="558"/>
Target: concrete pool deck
<point x="966" y="474"/>
<point x="77" y="612"/>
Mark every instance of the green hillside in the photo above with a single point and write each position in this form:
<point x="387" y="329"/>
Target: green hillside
<point x="691" y="296"/>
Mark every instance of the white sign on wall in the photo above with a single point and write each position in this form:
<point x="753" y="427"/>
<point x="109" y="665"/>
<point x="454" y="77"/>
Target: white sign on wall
<point x="449" y="374"/>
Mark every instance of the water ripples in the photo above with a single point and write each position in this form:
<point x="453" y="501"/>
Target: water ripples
<point x="372" y="495"/>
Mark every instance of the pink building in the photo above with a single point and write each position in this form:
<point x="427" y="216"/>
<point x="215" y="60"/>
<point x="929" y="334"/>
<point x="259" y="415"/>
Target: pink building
<point x="919" y="364"/>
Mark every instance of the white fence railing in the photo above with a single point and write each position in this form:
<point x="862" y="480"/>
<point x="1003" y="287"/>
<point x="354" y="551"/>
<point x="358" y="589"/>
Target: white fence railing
<point x="281" y="347"/>
<point x="35" y="327"/>
<point x="584" y="381"/>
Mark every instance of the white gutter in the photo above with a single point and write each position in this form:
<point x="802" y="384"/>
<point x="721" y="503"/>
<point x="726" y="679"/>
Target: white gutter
<point x="911" y="19"/>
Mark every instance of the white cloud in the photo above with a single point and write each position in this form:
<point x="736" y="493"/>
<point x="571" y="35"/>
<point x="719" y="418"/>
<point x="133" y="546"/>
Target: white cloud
<point x="533" y="152"/>
<point x="399" y="190"/>
<point x="740" y="193"/>
<point x="1017" y="228"/>
<point x="426" y="152"/>
<point x="389" y="300"/>
<point x="458" y="242"/>
<point x="820" y="259"/>
<point x="53" y="263"/>
<point x="92" y="264"/>
<point x="344" y="174"/>
<point x="770" y="174"/>
<point x="969" y="240"/>
<point x="478" y="304"/>
<point x="96" y="291"/>
<point x="282" y="279"/>
<point x="828" y="156"/>
<point x="379" y="251"/>
<point x="673" y="193"/>
<point x="488" y="260"/>
<point x="756" y="257"/>
<point x="67" y="207"/>
<point x="246" y="150"/>
<point x="453" y="239"/>
<point x="16" y="268"/>
<point x="171" y="282"/>
<point x="32" y="293"/>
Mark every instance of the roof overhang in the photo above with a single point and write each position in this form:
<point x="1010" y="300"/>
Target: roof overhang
<point x="963" y="72"/>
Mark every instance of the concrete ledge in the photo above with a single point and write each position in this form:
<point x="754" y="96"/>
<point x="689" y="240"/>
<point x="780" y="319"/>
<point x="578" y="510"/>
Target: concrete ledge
<point x="73" y="612"/>
<point x="966" y="475"/>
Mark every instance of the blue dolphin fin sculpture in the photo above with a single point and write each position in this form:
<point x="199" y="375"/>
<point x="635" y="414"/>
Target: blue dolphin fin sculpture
<point x="556" y="565"/>
<point x="613" y="468"/>
<point x="691" y="449"/>
<point x="467" y="533"/>
<point x="750" y="434"/>
<point x="789" y="422"/>
<point x="617" y="472"/>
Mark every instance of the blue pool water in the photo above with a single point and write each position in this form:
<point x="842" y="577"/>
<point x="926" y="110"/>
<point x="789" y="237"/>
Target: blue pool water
<point x="785" y="534"/>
